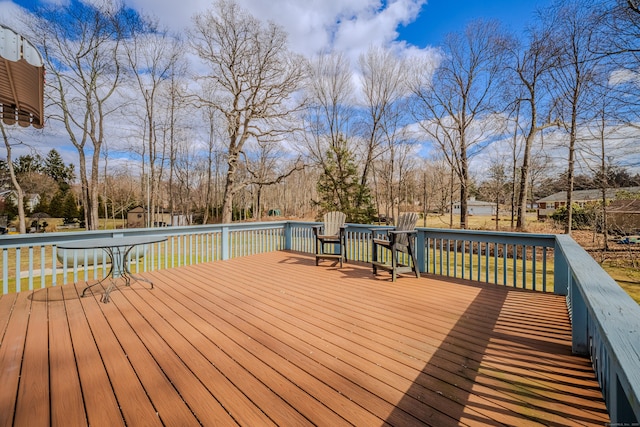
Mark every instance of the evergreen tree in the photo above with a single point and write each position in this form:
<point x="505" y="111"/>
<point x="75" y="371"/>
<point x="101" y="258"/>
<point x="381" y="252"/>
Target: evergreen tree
<point x="56" y="205"/>
<point x="339" y="187"/>
<point x="70" y="211"/>
<point x="55" y="168"/>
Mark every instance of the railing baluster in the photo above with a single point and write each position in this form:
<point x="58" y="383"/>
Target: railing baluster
<point x="515" y="266"/>
<point x="504" y="263"/>
<point x="43" y="266"/>
<point x="495" y="263"/>
<point x="524" y="266"/>
<point x="534" y="269"/>
<point x="18" y="270"/>
<point x="30" y="279"/>
<point x="5" y="271"/>
<point x="455" y="258"/>
<point x="470" y="259"/>
<point x="544" y="269"/>
<point x="54" y="265"/>
<point x="478" y="263"/>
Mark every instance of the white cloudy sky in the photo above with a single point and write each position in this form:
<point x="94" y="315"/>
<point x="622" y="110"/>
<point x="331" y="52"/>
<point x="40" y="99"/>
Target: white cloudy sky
<point x="313" y="25"/>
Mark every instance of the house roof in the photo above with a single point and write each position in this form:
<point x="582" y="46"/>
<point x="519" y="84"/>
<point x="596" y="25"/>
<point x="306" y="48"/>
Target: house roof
<point x="473" y="202"/>
<point x="587" y="195"/>
<point x="631" y="206"/>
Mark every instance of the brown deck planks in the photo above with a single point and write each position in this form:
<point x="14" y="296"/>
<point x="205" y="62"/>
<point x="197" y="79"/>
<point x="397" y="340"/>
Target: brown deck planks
<point x="67" y="405"/>
<point x="32" y="406"/>
<point x="11" y="353"/>
<point x="272" y="339"/>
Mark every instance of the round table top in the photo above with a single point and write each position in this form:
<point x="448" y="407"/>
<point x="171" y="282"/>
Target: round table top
<point x="111" y="242"/>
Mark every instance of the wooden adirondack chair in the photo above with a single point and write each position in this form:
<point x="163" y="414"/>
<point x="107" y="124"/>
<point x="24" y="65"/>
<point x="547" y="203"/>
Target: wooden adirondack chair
<point x="332" y="232"/>
<point x="401" y="240"/>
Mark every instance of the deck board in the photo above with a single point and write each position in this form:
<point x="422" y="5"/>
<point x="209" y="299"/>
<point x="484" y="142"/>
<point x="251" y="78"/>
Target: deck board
<point x="11" y="353"/>
<point x="32" y="406"/>
<point x="272" y="339"/>
<point x="67" y="405"/>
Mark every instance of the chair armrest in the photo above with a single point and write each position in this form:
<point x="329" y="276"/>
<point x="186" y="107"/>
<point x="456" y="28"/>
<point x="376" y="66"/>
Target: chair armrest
<point x="402" y="231"/>
<point x="381" y="230"/>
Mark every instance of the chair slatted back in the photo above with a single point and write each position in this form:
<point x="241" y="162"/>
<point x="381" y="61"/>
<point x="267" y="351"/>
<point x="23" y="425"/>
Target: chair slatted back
<point x="406" y="222"/>
<point x="332" y="223"/>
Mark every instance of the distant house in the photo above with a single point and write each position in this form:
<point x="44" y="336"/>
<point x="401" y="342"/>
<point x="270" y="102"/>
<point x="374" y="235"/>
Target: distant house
<point x="30" y="200"/>
<point x="624" y="216"/>
<point x="548" y="205"/>
<point x="137" y="218"/>
<point x="476" y="207"/>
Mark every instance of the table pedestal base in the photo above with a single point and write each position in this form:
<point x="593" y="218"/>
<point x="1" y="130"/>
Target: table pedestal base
<point x="119" y="270"/>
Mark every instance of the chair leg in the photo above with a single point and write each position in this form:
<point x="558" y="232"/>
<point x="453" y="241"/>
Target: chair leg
<point x="374" y="257"/>
<point x="412" y="254"/>
<point x="394" y="265"/>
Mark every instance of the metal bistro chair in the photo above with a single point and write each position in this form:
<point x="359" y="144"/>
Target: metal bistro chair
<point x="332" y="232"/>
<point x="400" y="240"/>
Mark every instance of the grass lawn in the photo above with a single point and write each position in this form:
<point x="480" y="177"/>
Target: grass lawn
<point x="628" y="279"/>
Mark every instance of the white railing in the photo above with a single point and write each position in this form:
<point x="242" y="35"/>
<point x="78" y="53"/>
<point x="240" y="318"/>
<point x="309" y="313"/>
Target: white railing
<point x="34" y="261"/>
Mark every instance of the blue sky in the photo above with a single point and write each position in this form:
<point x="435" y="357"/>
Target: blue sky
<point x="439" y="17"/>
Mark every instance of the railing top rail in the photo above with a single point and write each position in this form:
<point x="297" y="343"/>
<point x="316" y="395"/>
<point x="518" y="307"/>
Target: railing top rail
<point x="612" y="310"/>
<point x="540" y="239"/>
<point x="38" y="239"/>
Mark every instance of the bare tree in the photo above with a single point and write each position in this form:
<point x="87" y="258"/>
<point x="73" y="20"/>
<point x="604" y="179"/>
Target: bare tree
<point x="22" y="228"/>
<point x="331" y="103"/>
<point x="495" y="186"/>
<point x="80" y="42"/>
<point x="532" y="66"/>
<point x="331" y="139"/>
<point x="254" y="78"/>
<point x="384" y="86"/>
<point x="122" y="191"/>
<point x="152" y="55"/>
<point x="456" y="105"/>
<point x="576" y="32"/>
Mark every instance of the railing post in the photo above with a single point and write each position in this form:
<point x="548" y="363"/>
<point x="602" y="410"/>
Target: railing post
<point x="287" y="236"/>
<point x="560" y="272"/>
<point x="579" y="329"/>
<point x="620" y="410"/>
<point x="225" y="242"/>
<point x="420" y="250"/>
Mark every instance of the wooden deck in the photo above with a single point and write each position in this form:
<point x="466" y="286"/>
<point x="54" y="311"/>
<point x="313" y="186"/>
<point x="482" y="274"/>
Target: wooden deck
<point x="272" y="339"/>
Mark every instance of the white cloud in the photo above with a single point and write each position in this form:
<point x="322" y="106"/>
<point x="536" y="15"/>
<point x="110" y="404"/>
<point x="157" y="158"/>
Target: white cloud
<point x="12" y="16"/>
<point x="313" y="25"/>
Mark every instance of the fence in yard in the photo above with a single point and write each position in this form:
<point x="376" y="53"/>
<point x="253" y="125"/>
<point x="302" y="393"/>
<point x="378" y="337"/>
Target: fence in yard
<point x="605" y="320"/>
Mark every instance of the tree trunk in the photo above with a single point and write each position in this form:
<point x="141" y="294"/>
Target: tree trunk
<point x="524" y="180"/>
<point x="464" y="180"/>
<point x="572" y="145"/>
<point x="229" y="191"/>
<point x="22" y="227"/>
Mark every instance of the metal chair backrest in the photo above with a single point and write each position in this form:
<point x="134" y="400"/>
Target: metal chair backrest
<point x="333" y="221"/>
